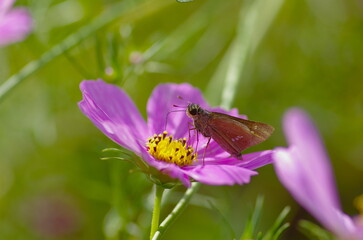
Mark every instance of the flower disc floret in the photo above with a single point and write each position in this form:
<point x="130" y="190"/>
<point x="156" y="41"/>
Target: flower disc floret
<point x="163" y="148"/>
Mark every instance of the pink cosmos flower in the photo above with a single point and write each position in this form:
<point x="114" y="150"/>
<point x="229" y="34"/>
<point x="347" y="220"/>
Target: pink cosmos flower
<point x="304" y="169"/>
<point x="114" y="113"/>
<point x="15" y="23"/>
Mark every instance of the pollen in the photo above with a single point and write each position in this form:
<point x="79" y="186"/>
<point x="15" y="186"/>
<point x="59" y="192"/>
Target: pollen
<point x="164" y="148"/>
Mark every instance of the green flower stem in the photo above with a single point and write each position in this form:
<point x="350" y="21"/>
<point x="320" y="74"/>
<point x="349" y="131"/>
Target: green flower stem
<point x="178" y="209"/>
<point x="156" y="212"/>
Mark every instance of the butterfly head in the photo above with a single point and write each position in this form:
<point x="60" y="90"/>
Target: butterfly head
<point x="193" y="110"/>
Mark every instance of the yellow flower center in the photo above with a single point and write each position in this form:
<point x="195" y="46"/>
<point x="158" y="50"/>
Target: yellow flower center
<point x="163" y="148"/>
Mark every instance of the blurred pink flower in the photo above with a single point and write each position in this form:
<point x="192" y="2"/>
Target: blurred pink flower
<point x="15" y="23"/>
<point x="304" y="169"/>
<point x="114" y="113"/>
<point x="53" y="216"/>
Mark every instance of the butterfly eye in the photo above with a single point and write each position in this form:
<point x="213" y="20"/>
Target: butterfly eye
<point x="193" y="111"/>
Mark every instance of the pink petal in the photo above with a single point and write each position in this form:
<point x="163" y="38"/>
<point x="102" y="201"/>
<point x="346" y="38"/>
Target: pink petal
<point x="14" y="25"/>
<point x="170" y="169"/>
<point x="304" y="170"/>
<point x="257" y="159"/>
<point x="314" y="161"/>
<point x="303" y="189"/>
<point x="160" y="108"/>
<point x="114" y="113"/>
<point x="174" y="171"/>
<point x="250" y="161"/>
<point x="289" y="172"/>
<point x="5" y="6"/>
<point x="219" y="174"/>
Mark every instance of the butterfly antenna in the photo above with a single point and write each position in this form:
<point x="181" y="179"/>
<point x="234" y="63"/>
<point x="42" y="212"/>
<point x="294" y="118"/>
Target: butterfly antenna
<point x="177" y="106"/>
<point x="183" y="108"/>
<point x="181" y="98"/>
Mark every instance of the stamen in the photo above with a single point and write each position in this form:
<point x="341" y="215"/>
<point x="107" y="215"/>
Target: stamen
<point x="163" y="148"/>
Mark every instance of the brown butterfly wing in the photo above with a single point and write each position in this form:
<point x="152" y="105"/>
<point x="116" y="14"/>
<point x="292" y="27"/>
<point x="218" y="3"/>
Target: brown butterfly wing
<point x="235" y="134"/>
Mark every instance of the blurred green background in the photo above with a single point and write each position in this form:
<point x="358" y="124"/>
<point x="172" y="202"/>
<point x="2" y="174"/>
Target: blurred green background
<point x="53" y="184"/>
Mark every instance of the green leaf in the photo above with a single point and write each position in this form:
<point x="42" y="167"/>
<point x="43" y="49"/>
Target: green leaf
<point x="280" y="230"/>
<point x="253" y="219"/>
<point x="276" y="230"/>
<point x="313" y="231"/>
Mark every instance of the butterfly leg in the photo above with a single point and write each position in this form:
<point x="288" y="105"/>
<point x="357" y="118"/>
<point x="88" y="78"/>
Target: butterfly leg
<point x="196" y="147"/>
<point x="205" y="149"/>
<point x="238" y="156"/>
<point x="190" y="127"/>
